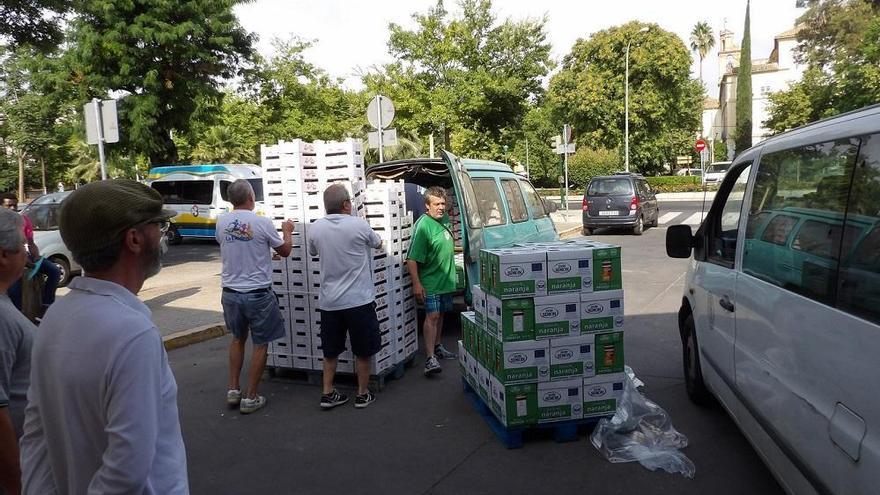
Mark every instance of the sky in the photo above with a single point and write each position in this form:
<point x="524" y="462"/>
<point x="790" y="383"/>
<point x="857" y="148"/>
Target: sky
<point x="351" y="36"/>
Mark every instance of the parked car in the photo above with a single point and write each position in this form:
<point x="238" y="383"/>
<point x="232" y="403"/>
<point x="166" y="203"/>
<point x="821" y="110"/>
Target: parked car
<point x="620" y="200"/>
<point x="715" y="172"/>
<point x="780" y="314"/>
<point x="689" y="171"/>
<point x="493" y="207"/>
<point x="43" y="213"/>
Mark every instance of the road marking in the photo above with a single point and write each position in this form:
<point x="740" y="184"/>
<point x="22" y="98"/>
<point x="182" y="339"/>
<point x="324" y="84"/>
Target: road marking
<point x="666" y="217"/>
<point x="694" y="219"/>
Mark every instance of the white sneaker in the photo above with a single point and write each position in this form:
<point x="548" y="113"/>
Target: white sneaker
<point x="248" y="406"/>
<point x="233" y="397"/>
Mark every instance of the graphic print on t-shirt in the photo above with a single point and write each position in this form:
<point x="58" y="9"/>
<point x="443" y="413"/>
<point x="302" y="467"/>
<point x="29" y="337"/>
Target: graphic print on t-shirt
<point x="239" y="231"/>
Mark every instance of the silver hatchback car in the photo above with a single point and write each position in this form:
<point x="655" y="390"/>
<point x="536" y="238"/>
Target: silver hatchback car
<point x="43" y="214"/>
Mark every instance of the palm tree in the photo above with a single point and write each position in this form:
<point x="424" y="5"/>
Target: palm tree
<point x="219" y="145"/>
<point x="702" y="40"/>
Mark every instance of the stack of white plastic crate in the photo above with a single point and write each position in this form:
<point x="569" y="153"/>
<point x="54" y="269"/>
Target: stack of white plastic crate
<point x="385" y="211"/>
<point x="283" y="166"/>
<point x="295" y="175"/>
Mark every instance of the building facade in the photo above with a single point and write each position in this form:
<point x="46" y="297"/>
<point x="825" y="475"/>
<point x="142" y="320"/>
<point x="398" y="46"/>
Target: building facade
<point x="771" y="74"/>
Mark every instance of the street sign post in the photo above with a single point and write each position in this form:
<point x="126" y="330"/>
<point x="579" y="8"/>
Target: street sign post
<point x="102" y="126"/>
<point x="380" y="113"/>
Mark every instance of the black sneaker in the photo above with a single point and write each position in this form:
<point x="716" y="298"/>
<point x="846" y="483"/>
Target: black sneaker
<point x="362" y="401"/>
<point x="333" y="399"/>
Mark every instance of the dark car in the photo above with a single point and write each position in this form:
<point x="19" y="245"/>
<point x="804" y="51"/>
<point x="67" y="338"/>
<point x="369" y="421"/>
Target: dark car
<point x="620" y="200"/>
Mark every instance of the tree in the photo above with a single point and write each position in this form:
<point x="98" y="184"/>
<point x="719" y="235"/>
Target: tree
<point x="33" y="22"/>
<point x="665" y="103"/>
<point x="743" y="131"/>
<point x="468" y="79"/>
<point x="163" y="56"/>
<point x="35" y="104"/>
<point x="702" y="40"/>
<point x="840" y="45"/>
<point x="587" y="163"/>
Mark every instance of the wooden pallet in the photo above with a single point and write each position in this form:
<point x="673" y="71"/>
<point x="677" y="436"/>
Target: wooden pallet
<point x="513" y="437"/>
<point x="314" y="377"/>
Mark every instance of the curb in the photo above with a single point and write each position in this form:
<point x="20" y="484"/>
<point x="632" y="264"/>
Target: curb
<point x="193" y="336"/>
<point x="569" y="233"/>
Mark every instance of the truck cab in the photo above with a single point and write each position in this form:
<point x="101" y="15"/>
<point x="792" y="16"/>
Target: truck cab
<point x="489" y="205"/>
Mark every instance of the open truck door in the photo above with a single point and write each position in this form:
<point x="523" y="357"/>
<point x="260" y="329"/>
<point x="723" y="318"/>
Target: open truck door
<point x="472" y="224"/>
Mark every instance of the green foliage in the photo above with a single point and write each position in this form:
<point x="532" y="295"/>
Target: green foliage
<point x="163" y="56"/>
<point x="675" y="183"/>
<point x="33" y="22"/>
<point x="840" y="45"/>
<point x="719" y="151"/>
<point x="702" y="40"/>
<point x="587" y="163"/>
<point x="743" y="131"/>
<point x="468" y="80"/>
<point x="665" y="103"/>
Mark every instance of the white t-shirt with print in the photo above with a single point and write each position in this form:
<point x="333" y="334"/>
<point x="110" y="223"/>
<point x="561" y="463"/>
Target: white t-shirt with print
<point x="246" y="241"/>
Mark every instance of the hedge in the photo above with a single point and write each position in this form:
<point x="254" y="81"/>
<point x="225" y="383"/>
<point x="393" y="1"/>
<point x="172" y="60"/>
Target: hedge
<point x="660" y="184"/>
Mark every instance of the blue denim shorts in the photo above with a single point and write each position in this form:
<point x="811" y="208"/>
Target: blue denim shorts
<point x="254" y="312"/>
<point x="438" y="303"/>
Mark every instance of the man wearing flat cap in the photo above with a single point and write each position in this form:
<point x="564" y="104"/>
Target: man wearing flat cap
<point x="102" y="413"/>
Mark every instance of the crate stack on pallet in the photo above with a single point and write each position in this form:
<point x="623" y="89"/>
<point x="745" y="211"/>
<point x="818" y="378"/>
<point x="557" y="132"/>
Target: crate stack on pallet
<point x="385" y="211"/>
<point x="295" y="175"/>
<point x="544" y="342"/>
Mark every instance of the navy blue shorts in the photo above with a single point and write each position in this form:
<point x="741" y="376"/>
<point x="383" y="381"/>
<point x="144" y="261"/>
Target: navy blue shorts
<point x="254" y="312"/>
<point x="362" y="327"/>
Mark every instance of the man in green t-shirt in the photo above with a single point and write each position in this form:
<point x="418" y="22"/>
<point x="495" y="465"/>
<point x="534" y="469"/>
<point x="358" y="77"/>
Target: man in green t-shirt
<point x="431" y="265"/>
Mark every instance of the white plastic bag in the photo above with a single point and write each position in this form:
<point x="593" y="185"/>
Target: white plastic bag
<point x="640" y="430"/>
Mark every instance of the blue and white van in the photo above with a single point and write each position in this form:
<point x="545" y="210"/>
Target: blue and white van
<point x="198" y="194"/>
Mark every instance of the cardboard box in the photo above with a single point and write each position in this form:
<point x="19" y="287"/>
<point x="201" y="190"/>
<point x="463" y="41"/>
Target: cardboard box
<point x="572" y="357"/>
<point x="602" y="311"/>
<point x="517" y="272"/>
<point x="608" y="352"/>
<point x="467" y="329"/>
<point x="607" y="273"/>
<point x="569" y="269"/>
<point x="560" y="401"/>
<point x="557" y="315"/>
<point x="514" y="405"/>
<point x="511" y="320"/>
<point x="478" y="300"/>
<point x="484" y="385"/>
<point x="602" y="394"/>
<point x="520" y="362"/>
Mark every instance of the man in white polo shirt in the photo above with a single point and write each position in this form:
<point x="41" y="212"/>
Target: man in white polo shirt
<point x="102" y="412"/>
<point x="347" y="297"/>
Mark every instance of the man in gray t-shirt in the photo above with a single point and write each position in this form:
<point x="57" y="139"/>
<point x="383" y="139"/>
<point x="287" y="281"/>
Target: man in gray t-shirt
<point x="347" y="296"/>
<point x="16" y="337"/>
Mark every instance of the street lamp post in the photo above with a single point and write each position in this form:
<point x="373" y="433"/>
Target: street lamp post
<point x="626" y="104"/>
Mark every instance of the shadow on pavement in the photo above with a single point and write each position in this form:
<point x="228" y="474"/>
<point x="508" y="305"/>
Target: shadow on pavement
<point x="422" y="436"/>
<point x="163" y="299"/>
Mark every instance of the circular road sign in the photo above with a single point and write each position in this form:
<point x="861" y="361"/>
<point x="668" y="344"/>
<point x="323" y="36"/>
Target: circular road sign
<point x="700" y="146"/>
<point x="380" y="104"/>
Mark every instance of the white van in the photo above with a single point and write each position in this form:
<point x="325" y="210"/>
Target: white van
<point x="198" y="194"/>
<point x="780" y="319"/>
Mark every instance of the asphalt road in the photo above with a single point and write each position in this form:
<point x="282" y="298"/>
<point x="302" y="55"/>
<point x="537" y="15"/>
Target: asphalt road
<point x="422" y="436"/>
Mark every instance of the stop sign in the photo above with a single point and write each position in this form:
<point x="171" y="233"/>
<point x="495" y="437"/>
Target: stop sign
<point x="700" y="146"/>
